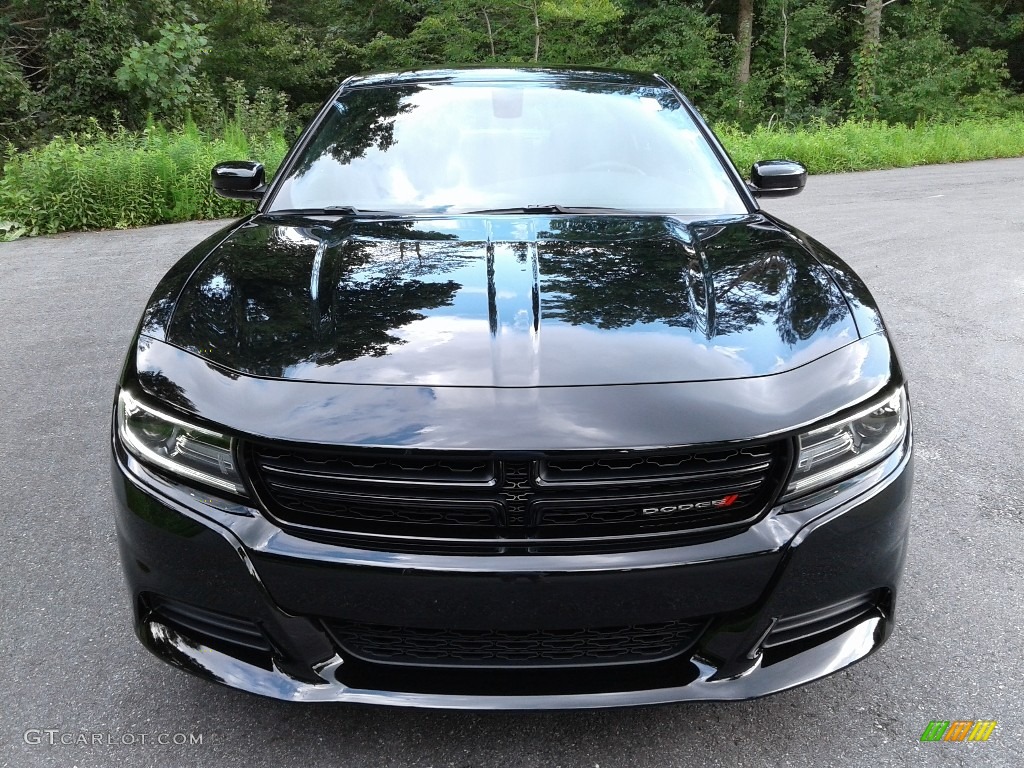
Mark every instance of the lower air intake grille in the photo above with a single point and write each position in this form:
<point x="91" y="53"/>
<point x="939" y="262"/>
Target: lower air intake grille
<point x="504" y="648"/>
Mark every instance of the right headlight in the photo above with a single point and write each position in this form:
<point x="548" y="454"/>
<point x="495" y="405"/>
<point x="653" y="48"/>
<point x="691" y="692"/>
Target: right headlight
<point x="191" y="452"/>
<point x="836" y="451"/>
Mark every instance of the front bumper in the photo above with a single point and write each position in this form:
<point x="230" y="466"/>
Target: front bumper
<point x="797" y="596"/>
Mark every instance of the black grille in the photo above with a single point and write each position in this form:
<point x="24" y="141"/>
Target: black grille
<point x="505" y="648"/>
<point x="643" y="468"/>
<point x="423" y="501"/>
<point x="381" y="493"/>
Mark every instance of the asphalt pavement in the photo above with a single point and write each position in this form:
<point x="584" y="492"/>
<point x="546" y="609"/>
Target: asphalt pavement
<point x="941" y="247"/>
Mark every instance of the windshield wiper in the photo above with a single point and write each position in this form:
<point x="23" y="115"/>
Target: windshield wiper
<point x="330" y="210"/>
<point x="348" y="210"/>
<point x="557" y="209"/>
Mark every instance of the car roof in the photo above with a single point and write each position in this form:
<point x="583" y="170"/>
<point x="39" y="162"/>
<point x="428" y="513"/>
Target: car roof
<point x="507" y="75"/>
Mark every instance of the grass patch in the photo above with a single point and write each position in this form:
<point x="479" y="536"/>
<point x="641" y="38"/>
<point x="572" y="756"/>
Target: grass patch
<point x="865" y="146"/>
<point x="119" y="180"/>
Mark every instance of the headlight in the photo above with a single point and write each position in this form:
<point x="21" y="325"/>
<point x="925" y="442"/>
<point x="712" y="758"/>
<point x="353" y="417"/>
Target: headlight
<point x="831" y="453"/>
<point x="168" y="442"/>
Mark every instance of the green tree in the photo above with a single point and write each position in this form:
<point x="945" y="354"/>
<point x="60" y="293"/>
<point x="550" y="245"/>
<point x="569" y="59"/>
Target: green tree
<point x="161" y="75"/>
<point x="576" y="32"/>
<point x="19" y="104"/>
<point x="21" y="35"/>
<point x="246" y="43"/>
<point x="500" y="31"/>
<point x="924" y="76"/>
<point x="796" y="61"/>
<point x="685" y="45"/>
<point x="84" y="45"/>
<point x="65" y="63"/>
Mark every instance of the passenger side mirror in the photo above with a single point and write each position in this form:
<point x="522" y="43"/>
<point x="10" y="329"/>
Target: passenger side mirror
<point x="239" y="180"/>
<point x="777" y="178"/>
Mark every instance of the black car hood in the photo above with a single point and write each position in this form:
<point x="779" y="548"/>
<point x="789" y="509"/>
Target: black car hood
<point x="506" y="301"/>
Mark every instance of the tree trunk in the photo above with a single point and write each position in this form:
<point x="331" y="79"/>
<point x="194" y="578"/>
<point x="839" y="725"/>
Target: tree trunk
<point x="744" y="39"/>
<point x="490" y="32"/>
<point x="872" y="24"/>
<point x="866" y="68"/>
<point x="536" y="33"/>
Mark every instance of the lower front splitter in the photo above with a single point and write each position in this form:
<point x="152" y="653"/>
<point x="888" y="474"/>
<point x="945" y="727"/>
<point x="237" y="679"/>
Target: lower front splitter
<point x="761" y="679"/>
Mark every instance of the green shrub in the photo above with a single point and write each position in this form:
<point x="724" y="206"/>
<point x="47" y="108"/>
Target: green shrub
<point x="119" y="179"/>
<point x="863" y="145"/>
<point x="114" y="180"/>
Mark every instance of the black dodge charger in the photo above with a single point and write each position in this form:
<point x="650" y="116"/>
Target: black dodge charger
<point x="509" y="395"/>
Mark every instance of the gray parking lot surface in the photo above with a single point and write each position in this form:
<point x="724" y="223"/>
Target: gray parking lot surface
<point x="942" y="249"/>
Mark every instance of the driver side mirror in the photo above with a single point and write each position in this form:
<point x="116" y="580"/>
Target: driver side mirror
<point x="777" y="178"/>
<point x="239" y="180"/>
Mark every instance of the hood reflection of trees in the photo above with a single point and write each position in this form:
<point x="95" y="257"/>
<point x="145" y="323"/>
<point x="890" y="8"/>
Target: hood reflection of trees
<point x="756" y="276"/>
<point x="310" y="292"/>
<point x="256" y="308"/>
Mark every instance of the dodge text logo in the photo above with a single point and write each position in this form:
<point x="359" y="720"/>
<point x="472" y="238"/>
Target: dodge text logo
<point x="725" y="501"/>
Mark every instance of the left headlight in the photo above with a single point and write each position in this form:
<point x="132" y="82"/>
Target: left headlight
<point x="194" y="453"/>
<point x="836" y="451"/>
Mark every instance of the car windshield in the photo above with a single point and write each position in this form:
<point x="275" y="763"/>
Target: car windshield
<point x="473" y="147"/>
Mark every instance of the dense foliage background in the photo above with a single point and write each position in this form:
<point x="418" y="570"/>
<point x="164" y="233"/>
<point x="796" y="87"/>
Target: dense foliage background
<point x="743" y="61"/>
<point x="93" y="89"/>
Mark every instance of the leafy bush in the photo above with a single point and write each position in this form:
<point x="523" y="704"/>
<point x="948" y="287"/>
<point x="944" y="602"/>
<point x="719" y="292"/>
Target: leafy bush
<point x="685" y="45"/>
<point x="864" y="145"/>
<point x="926" y="77"/>
<point x="119" y="179"/>
<point x="104" y="180"/>
<point x="84" y="44"/>
<point x="18" y="102"/>
<point x="161" y="75"/>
